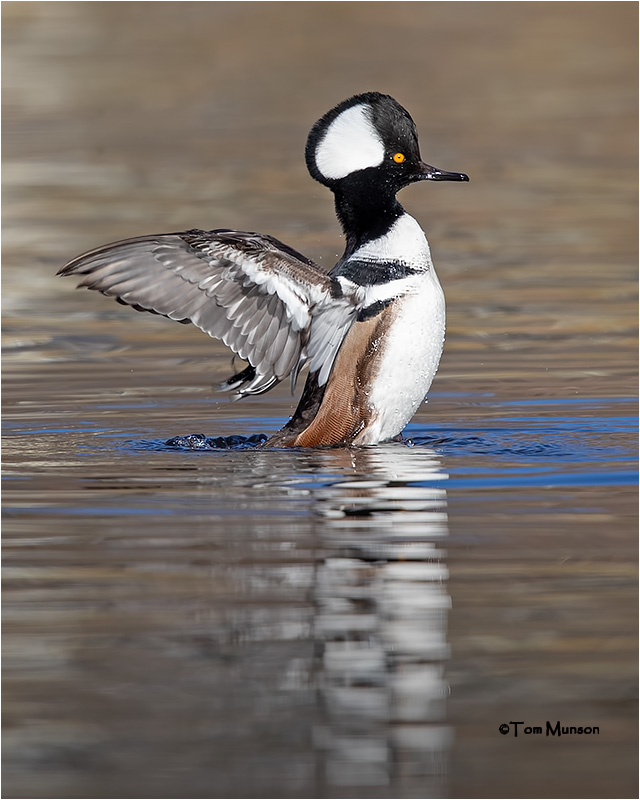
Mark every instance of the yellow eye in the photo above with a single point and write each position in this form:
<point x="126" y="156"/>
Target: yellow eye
<point x="399" y="158"/>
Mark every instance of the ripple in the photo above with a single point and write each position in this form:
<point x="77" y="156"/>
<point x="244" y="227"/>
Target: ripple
<point x="490" y="446"/>
<point x="199" y="441"/>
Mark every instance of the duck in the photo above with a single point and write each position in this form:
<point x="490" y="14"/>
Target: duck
<point x="370" y="332"/>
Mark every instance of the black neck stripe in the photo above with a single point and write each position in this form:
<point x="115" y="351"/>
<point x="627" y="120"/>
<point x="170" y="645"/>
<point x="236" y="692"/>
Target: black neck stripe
<point x="370" y="273"/>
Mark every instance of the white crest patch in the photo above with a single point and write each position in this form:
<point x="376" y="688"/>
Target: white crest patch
<point x="350" y="143"/>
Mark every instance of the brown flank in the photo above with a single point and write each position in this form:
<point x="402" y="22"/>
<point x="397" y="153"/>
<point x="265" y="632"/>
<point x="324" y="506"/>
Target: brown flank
<point x="345" y="408"/>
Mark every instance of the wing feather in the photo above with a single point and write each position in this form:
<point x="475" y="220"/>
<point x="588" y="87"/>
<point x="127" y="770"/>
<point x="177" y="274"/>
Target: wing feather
<point x="269" y="304"/>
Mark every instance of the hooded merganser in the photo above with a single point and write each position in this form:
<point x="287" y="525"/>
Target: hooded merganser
<point x="371" y="331"/>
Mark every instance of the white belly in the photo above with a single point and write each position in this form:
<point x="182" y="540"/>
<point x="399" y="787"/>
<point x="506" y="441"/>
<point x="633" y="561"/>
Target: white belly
<point x="409" y="357"/>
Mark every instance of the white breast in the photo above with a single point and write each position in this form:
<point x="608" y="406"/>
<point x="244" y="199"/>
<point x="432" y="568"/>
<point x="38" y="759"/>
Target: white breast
<point x="409" y="357"/>
<point x="405" y="243"/>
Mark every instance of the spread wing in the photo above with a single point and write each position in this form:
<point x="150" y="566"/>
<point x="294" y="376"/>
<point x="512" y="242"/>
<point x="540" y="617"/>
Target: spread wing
<point x="272" y="306"/>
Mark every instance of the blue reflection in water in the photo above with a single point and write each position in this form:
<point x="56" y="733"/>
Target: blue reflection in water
<point x="560" y="450"/>
<point x="589" y="447"/>
<point x="534" y="450"/>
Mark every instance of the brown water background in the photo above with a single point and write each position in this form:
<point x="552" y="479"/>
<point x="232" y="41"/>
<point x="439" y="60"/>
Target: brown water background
<point x="323" y="624"/>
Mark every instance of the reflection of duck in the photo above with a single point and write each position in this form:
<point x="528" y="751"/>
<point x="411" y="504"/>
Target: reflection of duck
<point x="371" y="331"/>
<point x="388" y="483"/>
<point x="381" y="618"/>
